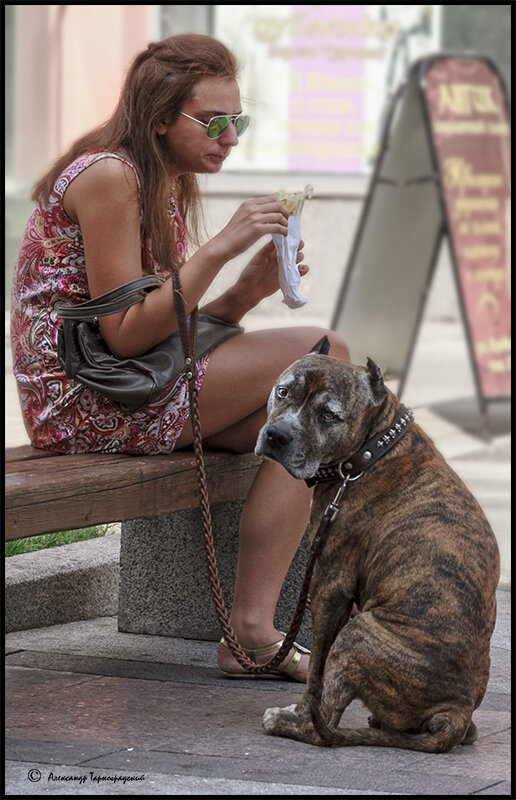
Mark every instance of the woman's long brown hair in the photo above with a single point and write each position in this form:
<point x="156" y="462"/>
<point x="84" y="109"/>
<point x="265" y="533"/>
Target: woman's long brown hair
<point x="158" y="84"/>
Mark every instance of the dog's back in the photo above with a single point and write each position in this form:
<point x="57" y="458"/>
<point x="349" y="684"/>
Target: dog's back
<point x="425" y="560"/>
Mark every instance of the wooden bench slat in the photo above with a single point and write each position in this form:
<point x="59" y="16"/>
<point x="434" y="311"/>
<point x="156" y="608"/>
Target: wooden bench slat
<point x="42" y="466"/>
<point x="63" y="476"/>
<point x="44" y="495"/>
<point x="25" y="452"/>
<point x="62" y="473"/>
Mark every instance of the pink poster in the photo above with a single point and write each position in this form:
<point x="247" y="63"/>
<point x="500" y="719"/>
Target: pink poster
<point x="327" y="68"/>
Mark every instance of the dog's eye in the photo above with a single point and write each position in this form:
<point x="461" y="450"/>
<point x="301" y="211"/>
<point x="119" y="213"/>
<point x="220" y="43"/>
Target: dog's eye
<point x="282" y="391"/>
<point x="329" y="416"/>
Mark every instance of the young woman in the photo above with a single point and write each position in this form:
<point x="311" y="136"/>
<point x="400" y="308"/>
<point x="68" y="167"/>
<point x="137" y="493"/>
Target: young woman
<point x="123" y="201"/>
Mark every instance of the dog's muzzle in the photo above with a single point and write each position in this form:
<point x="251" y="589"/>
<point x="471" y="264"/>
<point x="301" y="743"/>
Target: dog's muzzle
<point x="274" y="441"/>
<point x="277" y="436"/>
<point x="279" y="442"/>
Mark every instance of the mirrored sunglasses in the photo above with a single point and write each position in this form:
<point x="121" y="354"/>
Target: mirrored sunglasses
<point x="217" y="125"/>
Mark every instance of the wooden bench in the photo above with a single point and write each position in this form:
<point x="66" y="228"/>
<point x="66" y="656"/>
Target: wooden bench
<point x="163" y="581"/>
<point x="47" y="492"/>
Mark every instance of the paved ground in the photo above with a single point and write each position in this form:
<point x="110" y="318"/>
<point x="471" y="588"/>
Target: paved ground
<point x="93" y="711"/>
<point x="87" y="705"/>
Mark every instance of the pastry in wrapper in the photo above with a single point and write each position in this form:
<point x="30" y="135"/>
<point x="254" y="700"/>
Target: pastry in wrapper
<point x="294" y="201"/>
<point x="286" y="246"/>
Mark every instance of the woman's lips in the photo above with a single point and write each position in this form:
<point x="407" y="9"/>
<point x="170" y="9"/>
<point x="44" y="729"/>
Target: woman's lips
<point x="217" y="156"/>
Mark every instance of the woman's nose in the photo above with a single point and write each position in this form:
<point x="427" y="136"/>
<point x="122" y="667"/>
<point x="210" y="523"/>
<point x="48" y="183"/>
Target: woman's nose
<point x="229" y="137"/>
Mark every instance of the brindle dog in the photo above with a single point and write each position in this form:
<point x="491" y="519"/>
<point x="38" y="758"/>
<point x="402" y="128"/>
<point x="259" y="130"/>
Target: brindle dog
<point x="410" y="546"/>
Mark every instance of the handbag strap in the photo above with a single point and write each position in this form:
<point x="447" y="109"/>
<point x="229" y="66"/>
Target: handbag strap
<point x="109" y="303"/>
<point x="188" y="335"/>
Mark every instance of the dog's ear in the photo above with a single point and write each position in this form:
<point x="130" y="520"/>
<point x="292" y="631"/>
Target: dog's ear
<point x="376" y="380"/>
<point x="322" y="347"/>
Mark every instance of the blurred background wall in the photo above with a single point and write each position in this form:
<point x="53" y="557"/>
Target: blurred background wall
<point x="316" y="80"/>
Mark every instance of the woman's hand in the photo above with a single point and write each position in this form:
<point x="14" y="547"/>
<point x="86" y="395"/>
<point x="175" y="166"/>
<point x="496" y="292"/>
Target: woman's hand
<point x="260" y="278"/>
<point x="257" y="281"/>
<point x="255" y="218"/>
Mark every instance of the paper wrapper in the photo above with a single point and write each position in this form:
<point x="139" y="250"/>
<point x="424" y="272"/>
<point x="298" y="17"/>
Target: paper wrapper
<point x="286" y="247"/>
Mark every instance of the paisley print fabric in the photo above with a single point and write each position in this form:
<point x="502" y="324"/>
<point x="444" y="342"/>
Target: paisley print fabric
<point x="58" y="415"/>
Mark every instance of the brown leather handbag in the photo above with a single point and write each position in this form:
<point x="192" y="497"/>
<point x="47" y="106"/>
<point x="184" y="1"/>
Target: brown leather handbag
<point x="130" y="383"/>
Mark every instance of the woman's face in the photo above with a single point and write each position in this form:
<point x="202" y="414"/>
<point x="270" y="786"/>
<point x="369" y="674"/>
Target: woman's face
<point x="187" y="141"/>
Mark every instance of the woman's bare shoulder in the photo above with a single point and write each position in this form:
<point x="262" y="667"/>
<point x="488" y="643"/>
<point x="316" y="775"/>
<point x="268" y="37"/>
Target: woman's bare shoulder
<point x="107" y="180"/>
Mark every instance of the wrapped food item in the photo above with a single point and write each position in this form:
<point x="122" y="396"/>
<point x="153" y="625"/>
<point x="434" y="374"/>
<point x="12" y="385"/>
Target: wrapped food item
<point x="286" y="246"/>
<point x="294" y="201"/>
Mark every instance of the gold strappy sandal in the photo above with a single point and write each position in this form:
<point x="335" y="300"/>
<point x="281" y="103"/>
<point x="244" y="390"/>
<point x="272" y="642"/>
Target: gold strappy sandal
<point x="288" y="671"/>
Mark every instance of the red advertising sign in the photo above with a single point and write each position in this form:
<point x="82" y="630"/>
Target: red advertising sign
<point x="471" y="136"/>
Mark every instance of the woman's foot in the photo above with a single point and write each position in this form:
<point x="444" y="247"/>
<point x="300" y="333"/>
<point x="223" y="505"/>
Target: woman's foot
<point x="294" y="666"/>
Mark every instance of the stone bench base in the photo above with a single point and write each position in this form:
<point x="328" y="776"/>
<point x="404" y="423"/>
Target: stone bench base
<point x="164" y="582"/>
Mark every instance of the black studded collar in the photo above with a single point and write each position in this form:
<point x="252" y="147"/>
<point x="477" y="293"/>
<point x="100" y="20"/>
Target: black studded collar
<point x="368" y="454"/>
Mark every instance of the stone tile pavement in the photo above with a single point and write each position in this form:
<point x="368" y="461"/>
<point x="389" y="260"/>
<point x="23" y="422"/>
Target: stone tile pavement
<point x="93" y="711"/>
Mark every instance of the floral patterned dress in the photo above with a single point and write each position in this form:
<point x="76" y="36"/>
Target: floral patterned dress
<point x="58" y="415"/>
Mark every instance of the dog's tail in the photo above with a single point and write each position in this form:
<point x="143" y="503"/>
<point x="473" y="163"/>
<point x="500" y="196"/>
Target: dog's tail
<point x="439" y="734"/>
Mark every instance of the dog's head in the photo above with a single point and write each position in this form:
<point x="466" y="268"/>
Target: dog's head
<point x="319" y="411"/>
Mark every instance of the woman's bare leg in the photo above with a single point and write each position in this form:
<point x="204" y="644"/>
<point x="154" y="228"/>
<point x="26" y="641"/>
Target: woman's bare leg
<point x="232" y="404"/>
<point x="240" y="376"/>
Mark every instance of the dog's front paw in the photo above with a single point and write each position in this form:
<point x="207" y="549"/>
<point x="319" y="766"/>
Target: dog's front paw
<point x="288" y="722"/>
<point x="274" y="719"/>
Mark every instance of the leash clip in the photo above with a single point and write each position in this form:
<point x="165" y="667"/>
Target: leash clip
<point x="333" y="508"/>
<point x="330" y="514"/>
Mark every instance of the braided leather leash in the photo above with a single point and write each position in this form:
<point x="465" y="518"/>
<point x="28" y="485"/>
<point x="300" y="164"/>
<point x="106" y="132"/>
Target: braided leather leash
<point x="188" y="338"/>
